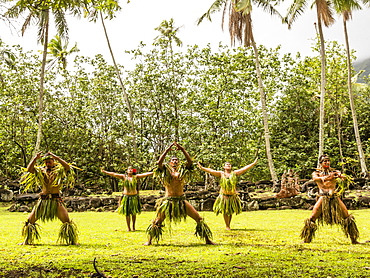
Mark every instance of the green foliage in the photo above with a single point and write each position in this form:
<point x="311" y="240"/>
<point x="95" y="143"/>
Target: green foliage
<point x="207" y="99"/>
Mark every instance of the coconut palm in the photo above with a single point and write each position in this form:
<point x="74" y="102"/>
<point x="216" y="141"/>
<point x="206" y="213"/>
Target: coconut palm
<point x="40" y="12"/>
<point x="59" y="50"/>
<point x="345" y="8"/>
<point x="240" y="28"/>
<point x="324" y="16"/>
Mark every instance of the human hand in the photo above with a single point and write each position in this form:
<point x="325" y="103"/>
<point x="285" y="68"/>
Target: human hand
<point x="178" y="146"/>
<point x="38" y="155"/>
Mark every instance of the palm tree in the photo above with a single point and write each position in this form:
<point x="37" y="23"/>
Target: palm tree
<point x="109" y="8"/>
<point x="345" y="8"/>
<point x="240" y="28"/>
<point x="59" y="51"/>
<point x="167" y="37"/>
<point x="40" y="11"/>
<point x="324" y="16"/>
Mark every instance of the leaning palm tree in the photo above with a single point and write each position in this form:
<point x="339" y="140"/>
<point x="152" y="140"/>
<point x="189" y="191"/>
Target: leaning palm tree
<point x="108" y="8"/>
<point x="240" y="28"/>
<point x="345" y="8"/>
<point x="324" y="16"/>
<point x="59" y="51"/>
<point x="40" y="12"/>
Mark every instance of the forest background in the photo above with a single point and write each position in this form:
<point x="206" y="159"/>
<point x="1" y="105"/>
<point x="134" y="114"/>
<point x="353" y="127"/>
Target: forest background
<point x="207" y="99"/>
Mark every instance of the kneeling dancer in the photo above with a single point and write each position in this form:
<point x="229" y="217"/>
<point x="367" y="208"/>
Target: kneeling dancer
<point x="173" y="206"/>
<point x="50" y="177"/>
<point x="329" y="208"/>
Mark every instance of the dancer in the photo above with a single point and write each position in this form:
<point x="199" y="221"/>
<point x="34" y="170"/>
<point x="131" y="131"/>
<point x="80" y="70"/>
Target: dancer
<point x="174" y="207"/>
<point x="329" y="208"/>
<point x="50" y="176"/>
<point x="228" y="201"/>
<point x="129" y="204"/>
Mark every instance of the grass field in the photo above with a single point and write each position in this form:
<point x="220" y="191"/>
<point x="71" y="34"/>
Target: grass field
<point x="261" y="244"/>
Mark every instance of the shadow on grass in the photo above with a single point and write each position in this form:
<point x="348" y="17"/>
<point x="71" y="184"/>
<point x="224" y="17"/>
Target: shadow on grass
<point x="247" y="230"/>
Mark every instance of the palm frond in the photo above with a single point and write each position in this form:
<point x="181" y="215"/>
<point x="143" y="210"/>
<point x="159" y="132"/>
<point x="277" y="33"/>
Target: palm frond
<point x="295" y="10"/>
<point x="61" y="24"/>
<point x="215" y="7"/>
<point x="269" y="8"/>
<point x="325" y="12"/>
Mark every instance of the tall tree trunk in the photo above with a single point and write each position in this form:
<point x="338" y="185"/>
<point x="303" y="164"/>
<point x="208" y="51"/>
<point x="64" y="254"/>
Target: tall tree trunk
<point x="323" y="86"/>
<point x="352" y="103"/>
<point x="264" y="113"/>
<point x="127" y="100"/>
<point x="42" y="78"/>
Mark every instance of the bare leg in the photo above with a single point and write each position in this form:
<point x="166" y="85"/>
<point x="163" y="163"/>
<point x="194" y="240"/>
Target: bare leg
<point x="62" y="214"/>
<point x="190" y="210"/>
<point x="344" y="208"/>
<point x="133" y="222"/>
<point x="227" y="219"/>
<point x="128" y="223"/>
<point x="32" y="217"/>
<point x="316" y="209"/>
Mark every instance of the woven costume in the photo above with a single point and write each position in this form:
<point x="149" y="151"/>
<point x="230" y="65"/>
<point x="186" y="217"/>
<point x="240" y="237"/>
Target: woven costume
<point x="46" y="208"/>
<point x="331" y="214"/>
<point x="130" y="205"/>
<point x="174" y="208"/>
<point x="228" y="204"/>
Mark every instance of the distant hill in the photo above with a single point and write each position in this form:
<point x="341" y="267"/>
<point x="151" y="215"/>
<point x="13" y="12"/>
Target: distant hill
<point x="362" y="65"/>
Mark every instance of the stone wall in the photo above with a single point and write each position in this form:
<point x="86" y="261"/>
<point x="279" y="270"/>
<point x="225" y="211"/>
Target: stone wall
<point x="250" y="194"/>
<point x="201" y="200"/>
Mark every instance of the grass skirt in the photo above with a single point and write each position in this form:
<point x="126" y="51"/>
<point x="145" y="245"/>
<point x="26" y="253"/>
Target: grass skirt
<point x="331" y="212"/>
<point x="46" y="208"/>
<point x="227" y="205"/>
<point x="130" y="205"/>
<point x="173" y="208"/>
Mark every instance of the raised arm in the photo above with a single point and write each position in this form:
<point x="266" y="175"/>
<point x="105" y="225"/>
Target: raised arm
<point x="143" y="175"/>
<point x="112" y="174"/>
<point x="61" y="161"/>
<point x="31" y="165"/>
<point x="163" y="156"/>
<point x="209" y="170"/>
<point x="241" y="171"/>
<point x="187" y="156"/>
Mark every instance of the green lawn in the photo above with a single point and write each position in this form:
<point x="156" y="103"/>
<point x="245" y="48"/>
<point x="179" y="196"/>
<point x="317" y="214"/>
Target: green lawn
<point x="261" y="244"/>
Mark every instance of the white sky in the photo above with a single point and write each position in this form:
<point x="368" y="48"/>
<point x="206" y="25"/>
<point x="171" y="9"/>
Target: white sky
<point x="137" y="20"/>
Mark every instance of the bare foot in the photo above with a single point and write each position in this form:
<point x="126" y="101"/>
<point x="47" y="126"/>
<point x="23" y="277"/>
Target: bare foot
<point x="208" y="241"/>
<point x="147" y="243"/>
<point x="356" y="242"/>
<point x="228" y="228"/>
